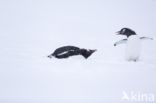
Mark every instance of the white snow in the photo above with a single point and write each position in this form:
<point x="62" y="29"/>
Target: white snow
<point x="30" y="30"/>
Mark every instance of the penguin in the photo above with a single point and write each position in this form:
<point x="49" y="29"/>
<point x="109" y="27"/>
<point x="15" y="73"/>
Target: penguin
<point x="133" y="41"/>
<point x="68" y="51"/>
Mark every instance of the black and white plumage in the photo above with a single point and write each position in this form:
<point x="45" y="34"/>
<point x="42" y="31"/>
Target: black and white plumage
<point x="67" y="51"/>
<point x="123" y="41"/>
<point x="126" y="31"/>
<point x="133" y="47"/>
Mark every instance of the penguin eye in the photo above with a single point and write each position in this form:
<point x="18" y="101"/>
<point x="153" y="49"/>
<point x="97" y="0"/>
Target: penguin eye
<point x="123" y="31"/>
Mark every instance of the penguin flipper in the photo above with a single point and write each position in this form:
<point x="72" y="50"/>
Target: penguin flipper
<point x="123" y="41"/>
<point x="146" y="38"/>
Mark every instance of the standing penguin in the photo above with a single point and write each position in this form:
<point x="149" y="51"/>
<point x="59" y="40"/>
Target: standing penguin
<point x="133" y="47"/>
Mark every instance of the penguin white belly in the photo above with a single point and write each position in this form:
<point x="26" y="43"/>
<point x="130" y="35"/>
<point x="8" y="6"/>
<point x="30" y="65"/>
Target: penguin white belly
<point x="133" y="48"/>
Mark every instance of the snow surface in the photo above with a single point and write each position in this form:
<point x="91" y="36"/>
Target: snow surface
<point x="32" y="29"/>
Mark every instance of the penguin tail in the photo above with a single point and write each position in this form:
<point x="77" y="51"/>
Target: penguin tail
<point x="87" y="54"/>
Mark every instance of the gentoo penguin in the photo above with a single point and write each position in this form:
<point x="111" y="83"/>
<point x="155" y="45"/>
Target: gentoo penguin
<point x="133" y="47"/>
<point x="67" y="51"/>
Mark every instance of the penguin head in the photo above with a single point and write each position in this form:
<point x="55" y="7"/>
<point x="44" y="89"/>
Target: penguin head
<point x="86" y="53"/>
<point x="126" y="31"/>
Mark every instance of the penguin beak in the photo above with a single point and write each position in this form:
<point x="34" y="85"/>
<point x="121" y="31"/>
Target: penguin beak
<point x="49" y="56"/>
<point x="118" y="33"/>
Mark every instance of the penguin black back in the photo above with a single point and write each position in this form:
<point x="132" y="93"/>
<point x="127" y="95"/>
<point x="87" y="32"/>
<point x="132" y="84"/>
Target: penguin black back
<point x="65" y="49"/>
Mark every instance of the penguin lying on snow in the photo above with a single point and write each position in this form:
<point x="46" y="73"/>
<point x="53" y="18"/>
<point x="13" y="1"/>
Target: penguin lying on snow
<point x="133" y="47"/>
<point x="67" y="51"/>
